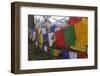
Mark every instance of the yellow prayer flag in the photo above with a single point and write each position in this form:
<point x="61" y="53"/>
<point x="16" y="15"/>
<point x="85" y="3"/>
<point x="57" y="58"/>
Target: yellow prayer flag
<point x="41" y="38"/>
<point x="81" y="32"/>
<point x="55" y="52"/>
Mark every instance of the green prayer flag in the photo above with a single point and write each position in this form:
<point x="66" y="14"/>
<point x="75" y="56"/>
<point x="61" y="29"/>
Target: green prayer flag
<point x="52" y="51"/>
<point x="69" y="34"/>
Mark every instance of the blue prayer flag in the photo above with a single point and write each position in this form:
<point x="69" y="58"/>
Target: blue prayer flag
<point x="65" y="54"/>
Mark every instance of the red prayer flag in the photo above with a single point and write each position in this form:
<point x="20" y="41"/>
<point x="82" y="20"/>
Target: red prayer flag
<point x="74" y="20"/>
<point x="82" y="55"/>
<point x="59" y="39"/>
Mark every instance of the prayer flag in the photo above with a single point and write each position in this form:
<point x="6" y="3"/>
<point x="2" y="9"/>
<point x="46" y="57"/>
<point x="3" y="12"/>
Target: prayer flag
<point x="65" y="54"/>
<point x="52" y="51"/>
<point x="69" y="34"/>
<point x="82" y="55"/>
<point x="72" y="55"/>
<point x="81" y="31"/>
<point x="50" y="38"/>
<point x="59" y="39"/>
<point x="56" y="52"/>
<point x="45" y="48"/>
<point x="74" y="20"/>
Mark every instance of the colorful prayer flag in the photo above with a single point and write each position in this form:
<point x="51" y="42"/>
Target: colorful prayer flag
<point x="50" y="38"/>
<point x="45" y="36"/>
<point x="65" y="54"/>
<point x="52" y="28"/>
<point x="43" y="30"/>
<point x="41" y="38"/>
<point x="82" y="55"/>
<point x="56" y="52"/>
<point x="45" y="48"/>
<point x="72" y="55"/>
<point x="48" y="49"/>
<point x="81" y="31"/>
<point x="74" y="20"/>
<point x="69" y="36"/>
<point x="59" y="39"/>
<point x="52" y="51"/>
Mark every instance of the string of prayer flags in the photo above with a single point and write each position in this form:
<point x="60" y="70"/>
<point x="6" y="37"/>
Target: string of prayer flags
<point x="59" y="37"/>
